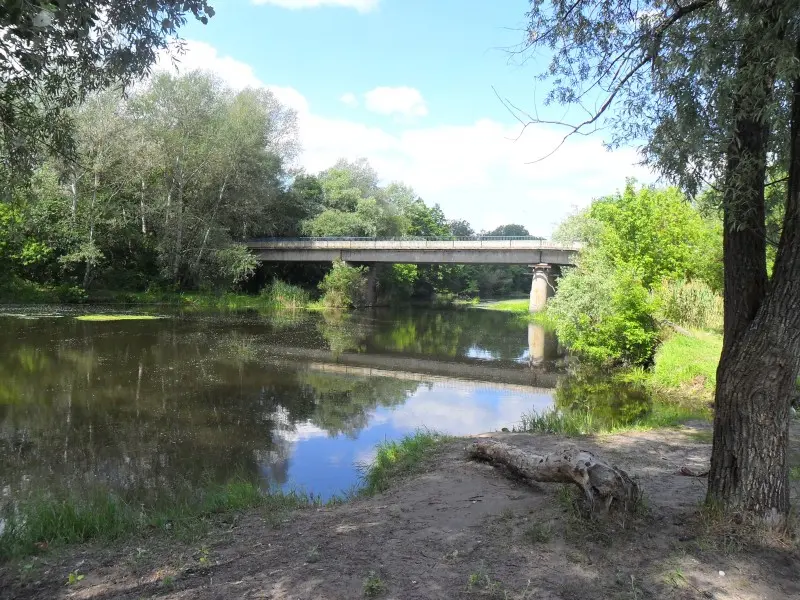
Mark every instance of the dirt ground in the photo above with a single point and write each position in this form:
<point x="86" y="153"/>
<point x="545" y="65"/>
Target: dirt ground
<point x="461" y="529"/>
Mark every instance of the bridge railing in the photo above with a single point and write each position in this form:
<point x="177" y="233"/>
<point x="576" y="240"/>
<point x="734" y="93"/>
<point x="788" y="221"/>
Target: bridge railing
<point x="444" y="238"/>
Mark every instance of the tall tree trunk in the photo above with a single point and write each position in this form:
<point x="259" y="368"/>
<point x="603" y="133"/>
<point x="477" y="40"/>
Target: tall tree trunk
<point x="141" y="209"/>
<point x="176" y="264"/>
<point x="759" y="364"/>
<point x="73" y="187"/>
<point x="211" y="221"/>
<point x="87" y="274"/>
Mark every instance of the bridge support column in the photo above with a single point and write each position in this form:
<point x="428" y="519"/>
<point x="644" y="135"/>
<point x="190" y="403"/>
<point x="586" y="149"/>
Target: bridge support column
<point x="372" y="284"/>
<point x="541" y="288"/>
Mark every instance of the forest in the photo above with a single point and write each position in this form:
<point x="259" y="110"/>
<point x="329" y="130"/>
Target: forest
<point x="166" y="183"/>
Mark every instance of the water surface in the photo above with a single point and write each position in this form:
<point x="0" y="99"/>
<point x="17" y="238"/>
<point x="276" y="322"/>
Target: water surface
<point x="153" y="408"/>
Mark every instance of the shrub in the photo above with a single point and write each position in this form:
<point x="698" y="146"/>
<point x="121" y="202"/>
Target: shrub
<point x="285" y="295"/>
<point x="603" y="313"/>
<point x="344" y="286"/>
<point x="690" y="304"/>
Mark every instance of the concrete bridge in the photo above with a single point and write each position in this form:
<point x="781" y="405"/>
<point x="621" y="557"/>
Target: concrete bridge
<point x="540" y="255"/>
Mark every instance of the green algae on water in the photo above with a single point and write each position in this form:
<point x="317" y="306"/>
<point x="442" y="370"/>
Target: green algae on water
<point x="117" y="317"/>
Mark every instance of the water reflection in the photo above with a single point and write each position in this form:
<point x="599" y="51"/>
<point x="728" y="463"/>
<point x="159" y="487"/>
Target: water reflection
<point x="610" y="400"/>
<point x="152" y="409"/>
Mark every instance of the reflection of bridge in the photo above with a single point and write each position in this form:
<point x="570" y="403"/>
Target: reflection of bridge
<point x="540" y="254"/>
<point x="482" y="373"/>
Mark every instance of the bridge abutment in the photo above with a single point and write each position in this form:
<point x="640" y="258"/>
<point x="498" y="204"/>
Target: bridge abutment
<point x="541" y="287"/>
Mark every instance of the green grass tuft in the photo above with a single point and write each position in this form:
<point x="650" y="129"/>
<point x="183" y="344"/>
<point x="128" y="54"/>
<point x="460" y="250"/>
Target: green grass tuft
<point x="574" y="423"/>
<point x="687" y="362"/>
<point x="399" y="458"/>
<point x="373" y="585"/>
<point x="102" y="516"/>
<point x="520" y="305"/>
<point x="282" y="295"/>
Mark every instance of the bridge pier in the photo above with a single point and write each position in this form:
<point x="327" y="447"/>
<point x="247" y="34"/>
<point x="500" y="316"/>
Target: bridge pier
<point x="541" y="287"/>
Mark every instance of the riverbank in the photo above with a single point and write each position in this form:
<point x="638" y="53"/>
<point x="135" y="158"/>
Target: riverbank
<point x="453" y="528"/>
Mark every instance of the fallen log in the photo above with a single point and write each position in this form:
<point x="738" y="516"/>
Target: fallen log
<point x="602" y="483"/>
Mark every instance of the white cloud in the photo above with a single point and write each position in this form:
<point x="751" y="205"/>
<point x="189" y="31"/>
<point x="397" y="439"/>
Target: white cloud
<point x="442" y="410"/>
<point x="349" y="99"/>
<point x="301" y="432"/>
<point x="360" y="5"/>
<point x="475" y="171"/>
<point x="402" y="101"/>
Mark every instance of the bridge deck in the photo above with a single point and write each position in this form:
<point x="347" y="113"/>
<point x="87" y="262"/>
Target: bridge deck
<point x="456" y="251"/>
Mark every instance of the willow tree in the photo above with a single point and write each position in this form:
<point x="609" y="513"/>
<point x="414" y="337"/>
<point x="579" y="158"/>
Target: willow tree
<point x="710" y="90"/>
<point x="53" y="53"/>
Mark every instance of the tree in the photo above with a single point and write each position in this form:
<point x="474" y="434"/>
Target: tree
<point x="460" y="228"/>
<point x="509" y="231"/>
<point x="657" y="233"/>
<point x="714" y="90"/>
<point x="54" y="54"/>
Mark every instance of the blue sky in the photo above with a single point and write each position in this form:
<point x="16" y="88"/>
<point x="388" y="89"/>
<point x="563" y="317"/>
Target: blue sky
<point x="408" y="84"/>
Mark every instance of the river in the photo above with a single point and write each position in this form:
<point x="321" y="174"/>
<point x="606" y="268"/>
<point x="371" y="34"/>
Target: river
<point x="151" y="408"/>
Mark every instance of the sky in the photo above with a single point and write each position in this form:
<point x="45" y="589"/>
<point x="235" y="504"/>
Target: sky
<point x="413" y="86"/>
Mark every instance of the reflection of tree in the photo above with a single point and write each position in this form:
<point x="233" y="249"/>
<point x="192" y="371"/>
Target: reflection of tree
<point x="344" y="401"/>
<point x="343" y="332"/>
<point x="154" y="409"/>
<point x="450" y="334"/>
<point x="609" y="399"/>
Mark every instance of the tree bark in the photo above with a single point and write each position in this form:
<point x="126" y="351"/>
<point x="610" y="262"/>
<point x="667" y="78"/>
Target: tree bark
<point x="759" y="363"/>
<point x="601" y="482"/>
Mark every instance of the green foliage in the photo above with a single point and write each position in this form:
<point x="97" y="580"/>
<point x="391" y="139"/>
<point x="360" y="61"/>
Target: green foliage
<point x="107" y="317"/>
<point x="609" y="400"/>
<point x="400" y="458"/>
<point x="656" y="233"/>
<point x="373" y="585"/>
<point x="636" y="240"/>
<point x="690" y="304"/>
<point x="102" y="516"/>
<point x="604" y="313"/>
<point x="62" y="51"/>
<point x="344" y="286"/>
<point x="236" y="262"/>
<point x="521" y="306"/>
<point x="74" y="577"/>
<point x="398" y="281"/>
<point x="284" y="295"/>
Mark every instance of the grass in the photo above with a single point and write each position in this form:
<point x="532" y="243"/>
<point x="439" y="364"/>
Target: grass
<point x="520" y="305"/>
<point x="690" y="304"/>
<point x="575" y="423"/>
<point x="282" y="295"/>
<point x="539" y="533"/>
<point x="99" y="317"/>
<point x="396" y="459"/>
<point x="373" y="585"/>
<point x="275" y="296"/>
<point x="45" y="522"/>
<point x="684" y="363"/>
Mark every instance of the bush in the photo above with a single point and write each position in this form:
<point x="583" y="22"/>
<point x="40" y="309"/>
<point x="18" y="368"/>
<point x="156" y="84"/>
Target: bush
<point x="690" y="304"/>
<point x="285" y="295"/>
<point x="604" y="313"/>
<point x="344" y="286"/>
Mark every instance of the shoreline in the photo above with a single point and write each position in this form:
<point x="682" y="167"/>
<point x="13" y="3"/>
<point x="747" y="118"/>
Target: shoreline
<point x="453" y="528"/>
